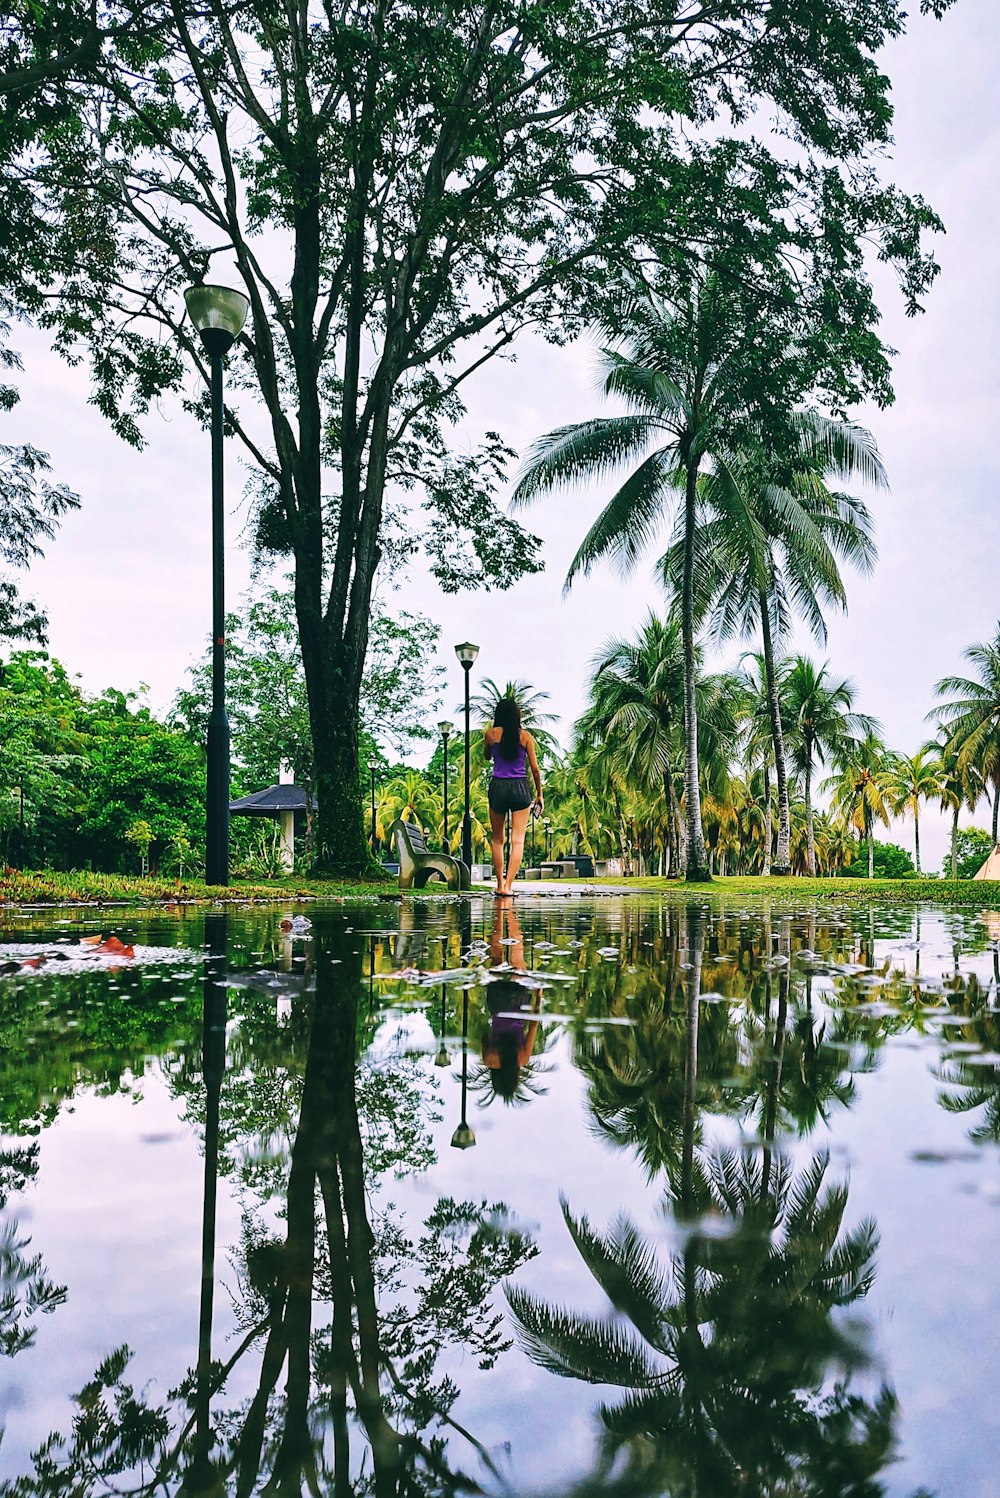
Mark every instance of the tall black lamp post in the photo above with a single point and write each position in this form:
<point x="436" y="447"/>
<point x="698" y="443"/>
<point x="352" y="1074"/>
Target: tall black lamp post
<point x="444" y="729"/>
<point x="374" y="837"/>
<point x="467" y="654"/>
<point x="218" y="314"/>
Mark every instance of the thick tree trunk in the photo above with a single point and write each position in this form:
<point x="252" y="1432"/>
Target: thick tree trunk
<point x="810" y="824"/>
<point x="333" y="682"/>
<point x="696" y="869"/>
<point x="916" y="834"/>
<point x="996" y="811"/>
<point x="766" y="867"/>
<point x="871" y="856"/>
<point x="782" y="858"/>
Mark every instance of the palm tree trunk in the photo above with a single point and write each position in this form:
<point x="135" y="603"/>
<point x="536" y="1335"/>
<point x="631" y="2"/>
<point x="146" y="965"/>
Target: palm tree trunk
<point x="954" y="842"/>
<point x="996" y="810"/>
<point x="767" y="820"/>
<point x="916" y="832"/>
<point x="871" y="856"/>
<point x="810" y="827"/>
<point x="697" y="859"/>
<point x="782" y="860"/>
<point x="673" y="841"/>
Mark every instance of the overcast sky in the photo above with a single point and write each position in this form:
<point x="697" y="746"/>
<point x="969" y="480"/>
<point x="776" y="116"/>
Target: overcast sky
<point x="126" y="584"/>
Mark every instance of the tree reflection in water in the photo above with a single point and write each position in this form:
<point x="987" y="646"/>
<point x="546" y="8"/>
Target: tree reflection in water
<point x="349" y="1397"/>
<point x="736" y="1367"/>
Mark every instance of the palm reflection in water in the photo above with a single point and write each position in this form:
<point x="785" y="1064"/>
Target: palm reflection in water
<point x="735" y="1369"/>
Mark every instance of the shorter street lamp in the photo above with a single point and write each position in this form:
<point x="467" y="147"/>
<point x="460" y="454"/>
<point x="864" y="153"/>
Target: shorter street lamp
<point x="374" y="837"/>
<point x="467" y="654"/>
<point x="218" y="315"/>
<point x="547" y="824"/>
<point x="444" y="729"/>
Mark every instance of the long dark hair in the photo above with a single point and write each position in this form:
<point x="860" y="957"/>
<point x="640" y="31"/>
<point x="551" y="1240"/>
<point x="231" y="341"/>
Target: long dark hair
<point x="508" y="717"/>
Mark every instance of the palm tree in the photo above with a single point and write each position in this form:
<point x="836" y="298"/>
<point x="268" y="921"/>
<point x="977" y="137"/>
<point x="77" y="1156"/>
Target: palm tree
<point x="768" y="547"/>
<point x="672" y="367"/>
<point x="410" y="797"/>
<point x="534" y="717"/>
<point x="973" y="716"/>
<point x="960" y="785"/>
<point x="860" y="788"/>
<point x="910" y="780"/>
<point x="636" y="710"/>
<point x="821" y="723"/>
<point x="760" y="741"/>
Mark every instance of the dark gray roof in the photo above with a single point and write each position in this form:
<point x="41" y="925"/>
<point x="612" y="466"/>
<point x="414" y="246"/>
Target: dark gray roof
<point x="268" y="803"/>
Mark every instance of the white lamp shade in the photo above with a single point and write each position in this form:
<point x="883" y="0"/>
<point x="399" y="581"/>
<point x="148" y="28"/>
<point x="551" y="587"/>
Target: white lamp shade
<point x="217" y="307"/>
<point x="467" y="653"/>
<point x="445" y="728"/>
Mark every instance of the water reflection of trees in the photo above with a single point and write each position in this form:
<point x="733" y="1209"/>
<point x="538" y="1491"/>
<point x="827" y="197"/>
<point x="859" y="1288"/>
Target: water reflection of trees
<point x="737" y="1371"/>
<point x="735" y="1366"/>
<point x="347" y="1318"/>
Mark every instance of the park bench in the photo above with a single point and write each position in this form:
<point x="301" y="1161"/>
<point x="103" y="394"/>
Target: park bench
<point x="417" y="863"/>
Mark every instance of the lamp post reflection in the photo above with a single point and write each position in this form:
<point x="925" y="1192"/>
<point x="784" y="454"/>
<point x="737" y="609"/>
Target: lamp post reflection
<point x="202" y="1475"/>
<point x="442" y="1058"/>
<point x="463" y="1137"/>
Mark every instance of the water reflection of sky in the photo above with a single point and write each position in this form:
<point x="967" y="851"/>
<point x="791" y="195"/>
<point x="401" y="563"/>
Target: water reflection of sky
<point x="838" y="1030"/>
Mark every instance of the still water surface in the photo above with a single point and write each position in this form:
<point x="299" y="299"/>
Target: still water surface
<point x="597" y="1196"/>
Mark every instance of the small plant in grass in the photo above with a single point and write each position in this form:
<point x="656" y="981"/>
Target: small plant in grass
<point x="180" y="855"/>
<point x="140" y="835"/>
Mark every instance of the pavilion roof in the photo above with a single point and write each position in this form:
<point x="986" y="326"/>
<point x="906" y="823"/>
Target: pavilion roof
<point x="269" y="803"/>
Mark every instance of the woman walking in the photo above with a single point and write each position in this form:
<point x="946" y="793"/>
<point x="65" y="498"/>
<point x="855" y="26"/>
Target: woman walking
<point x="512" y="750"/>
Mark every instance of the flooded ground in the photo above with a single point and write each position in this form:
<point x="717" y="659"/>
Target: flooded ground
<point x="590" y="1196"/>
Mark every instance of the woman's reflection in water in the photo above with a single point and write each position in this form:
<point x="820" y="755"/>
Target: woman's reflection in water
<point x="513" y="1003"/>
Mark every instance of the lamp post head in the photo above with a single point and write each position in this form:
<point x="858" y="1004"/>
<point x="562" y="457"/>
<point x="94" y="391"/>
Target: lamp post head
<point x="467" y="654"/>
<point x="218" y="313"/>
<point x="463" y="1138"/>
<point x="442" y="1058"/>
<point x="445" y="728"/>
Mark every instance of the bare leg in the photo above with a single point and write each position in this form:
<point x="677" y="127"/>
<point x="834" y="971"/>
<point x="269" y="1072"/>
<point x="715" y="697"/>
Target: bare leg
<point x="497" y="820"/>
<point x="518" y="827"/>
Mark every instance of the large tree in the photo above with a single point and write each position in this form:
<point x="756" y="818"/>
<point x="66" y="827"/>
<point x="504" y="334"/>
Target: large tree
<point x="400" y="190"/>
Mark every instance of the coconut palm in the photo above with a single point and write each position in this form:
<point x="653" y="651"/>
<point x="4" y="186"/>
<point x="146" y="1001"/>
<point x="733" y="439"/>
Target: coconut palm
<point x="961" y="786"/>
<point x="910" y="780"/>
<point x="768" y="547"/>
<point x="759" y="742"/>
<point x="972" y="717"/>
<point x="821" y="722"/>
<point x="410" y="797"/>
<point x="529" y="699"/>
<point x="673" y="368"/>
<point x="636" y="711"/>
<point x="859" y="790"/>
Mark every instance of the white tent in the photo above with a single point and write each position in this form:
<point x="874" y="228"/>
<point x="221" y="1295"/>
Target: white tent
<point x="991" y="868"/>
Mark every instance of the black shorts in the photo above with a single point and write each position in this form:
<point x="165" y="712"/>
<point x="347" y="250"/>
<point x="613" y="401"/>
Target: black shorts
<point x="510" y="795"/>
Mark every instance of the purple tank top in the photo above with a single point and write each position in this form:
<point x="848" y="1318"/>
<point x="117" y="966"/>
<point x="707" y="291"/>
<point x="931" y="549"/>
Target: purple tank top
<point x="506" y="769"/>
